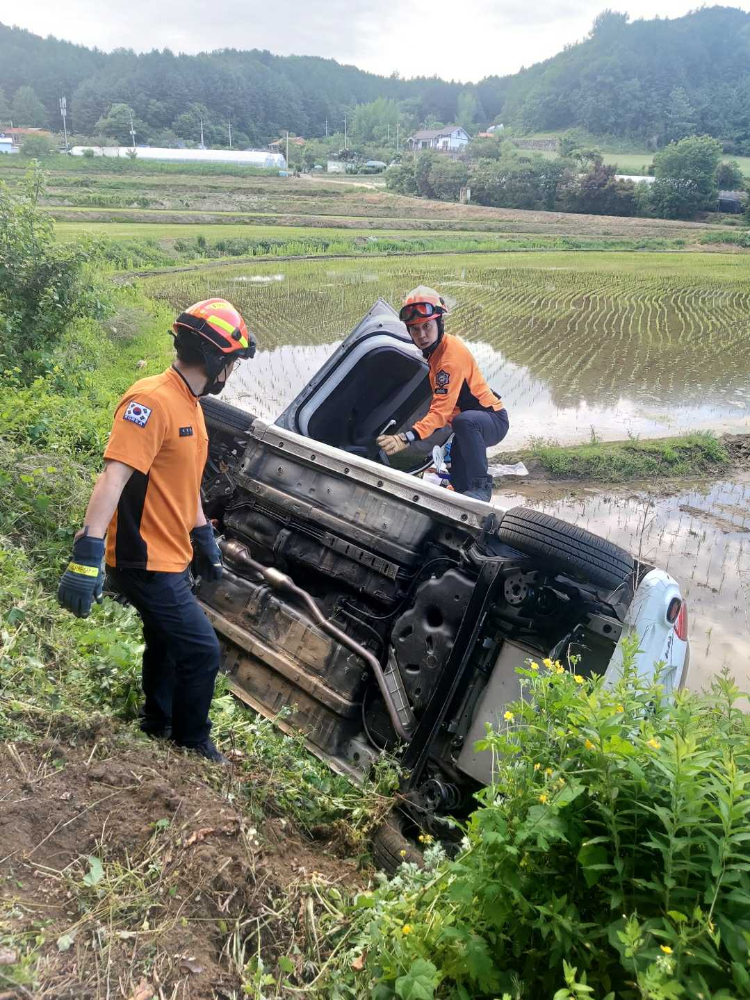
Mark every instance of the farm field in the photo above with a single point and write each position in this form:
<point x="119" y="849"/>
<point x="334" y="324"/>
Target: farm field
<point x="571" y="341"/>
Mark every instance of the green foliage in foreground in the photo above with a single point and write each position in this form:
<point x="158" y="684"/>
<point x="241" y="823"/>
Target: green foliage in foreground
<point x="608" y="860"/>
<point x="616" y="461"/>
<point x="43" y="284"/>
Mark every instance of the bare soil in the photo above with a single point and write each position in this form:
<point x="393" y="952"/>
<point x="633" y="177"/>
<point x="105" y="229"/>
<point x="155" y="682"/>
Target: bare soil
<point x="188" y="886"/>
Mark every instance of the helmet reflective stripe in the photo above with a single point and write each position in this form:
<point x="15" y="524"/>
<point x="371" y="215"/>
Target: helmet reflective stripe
<point x="223" y="325"/>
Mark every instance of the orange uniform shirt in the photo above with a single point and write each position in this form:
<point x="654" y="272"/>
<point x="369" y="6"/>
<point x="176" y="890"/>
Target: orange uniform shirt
<point x="159" y="430"/>
<point x="457" y="385"/>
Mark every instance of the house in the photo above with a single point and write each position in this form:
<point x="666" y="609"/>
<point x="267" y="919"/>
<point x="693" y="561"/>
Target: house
<point x="6" y="144"/>
<point x="449" y="138"/>
<point x="277" y="144"/>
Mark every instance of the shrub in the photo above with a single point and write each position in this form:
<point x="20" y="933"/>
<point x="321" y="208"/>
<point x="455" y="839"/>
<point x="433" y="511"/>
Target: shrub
<point x="42" y="283"/>
<point x="35" y="146"/>
<point x="608" y="860"/>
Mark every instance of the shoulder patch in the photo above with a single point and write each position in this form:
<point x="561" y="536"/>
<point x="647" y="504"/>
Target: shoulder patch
<point x="442" y="378"/>
<point x="186" y="432"/>
<point x="137" y="413"/>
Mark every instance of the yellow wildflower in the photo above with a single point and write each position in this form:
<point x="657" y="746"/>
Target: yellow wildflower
<point x="619" y="708"/>
<point x="654" y="744"/>
<point x="407" y="929"/>
<point x="537" y="766"/>
<point x="402" y="853"/>
<point x="666" y="949"/>
<point x="425" y="838"/>
<point x="534" y="665"/>
<point x="559" y="668"/>
<point x="508" y="716"/>
<point x="578" y="679"/>
<point x="589" y="745"/>
<point x="548" y="771"/>
<point x="543" y="798"/>
<point x="561" y="782"/>
<point x="547" y="663"/>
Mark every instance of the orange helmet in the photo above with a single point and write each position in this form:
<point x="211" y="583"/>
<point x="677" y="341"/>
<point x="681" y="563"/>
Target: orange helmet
<point x="219" y="323"/>
<point x="421" y="305"/>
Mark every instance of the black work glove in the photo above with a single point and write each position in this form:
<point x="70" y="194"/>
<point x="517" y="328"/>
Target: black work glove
<point x="82" y="581"/>
<point x="208" y="562"/>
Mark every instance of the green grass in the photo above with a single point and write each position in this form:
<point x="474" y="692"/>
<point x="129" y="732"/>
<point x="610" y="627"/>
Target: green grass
<point x="617" y="461"/>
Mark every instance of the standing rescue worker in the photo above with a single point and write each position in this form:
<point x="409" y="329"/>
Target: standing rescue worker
<point x="148" y="503"/>
<point x="461" y="397"/>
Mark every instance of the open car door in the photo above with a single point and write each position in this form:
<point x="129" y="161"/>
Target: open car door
<point x="375" y="381"/>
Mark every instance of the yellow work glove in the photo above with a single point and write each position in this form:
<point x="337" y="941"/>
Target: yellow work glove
<point x="392" y="444"/>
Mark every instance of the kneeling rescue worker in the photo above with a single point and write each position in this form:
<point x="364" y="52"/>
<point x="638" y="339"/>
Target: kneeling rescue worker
<point x="461" y="397"/>
<point x="148" y="503"/>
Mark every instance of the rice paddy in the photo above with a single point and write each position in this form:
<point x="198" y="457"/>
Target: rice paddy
<point x="610" y="344"/>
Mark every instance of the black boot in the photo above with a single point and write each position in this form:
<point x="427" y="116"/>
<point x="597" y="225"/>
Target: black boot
<point x="480" y="489"/>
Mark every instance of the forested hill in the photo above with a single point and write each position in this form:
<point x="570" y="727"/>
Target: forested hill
<point x="258" y="92"/>
<point x="659" y="79"/>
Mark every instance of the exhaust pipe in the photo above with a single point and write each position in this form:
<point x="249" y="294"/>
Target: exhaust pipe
<point x="238" y="553"/>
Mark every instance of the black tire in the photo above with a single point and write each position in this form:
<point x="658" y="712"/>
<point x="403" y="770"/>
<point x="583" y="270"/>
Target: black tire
<point x="388" y="843"/>
<point x="566" y="549"/>
<point x="223" y="417"/>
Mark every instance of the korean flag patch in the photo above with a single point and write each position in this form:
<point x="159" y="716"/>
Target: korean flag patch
<point x="137" y="413"/>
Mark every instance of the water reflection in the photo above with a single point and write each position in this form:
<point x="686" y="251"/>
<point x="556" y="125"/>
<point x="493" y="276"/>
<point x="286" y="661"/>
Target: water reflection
<point x="701" y="536"/>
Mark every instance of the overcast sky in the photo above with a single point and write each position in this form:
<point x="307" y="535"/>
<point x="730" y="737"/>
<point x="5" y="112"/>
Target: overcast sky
<point x="457" y="39"/>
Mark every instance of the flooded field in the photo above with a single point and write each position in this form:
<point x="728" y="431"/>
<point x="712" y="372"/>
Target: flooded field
<point x="701" y="535"/>
<point x="649" y="345"/>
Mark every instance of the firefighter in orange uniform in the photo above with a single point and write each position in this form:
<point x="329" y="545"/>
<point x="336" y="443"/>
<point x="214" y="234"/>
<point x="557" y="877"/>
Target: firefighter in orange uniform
<point x="461" y="397"/>
<point x="148" y="503"/>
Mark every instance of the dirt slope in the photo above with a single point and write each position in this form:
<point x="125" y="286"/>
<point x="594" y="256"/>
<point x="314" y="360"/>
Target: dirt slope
<point x="182" y="885"/>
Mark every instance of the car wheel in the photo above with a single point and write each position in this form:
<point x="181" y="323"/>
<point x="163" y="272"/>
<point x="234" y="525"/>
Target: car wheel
<point x="390" y="846"/>
<point x="223" y="417"/>
<point x="565" y="548"/>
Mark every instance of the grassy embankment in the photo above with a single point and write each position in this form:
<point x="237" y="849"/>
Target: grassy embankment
<point x="618" y="461"/>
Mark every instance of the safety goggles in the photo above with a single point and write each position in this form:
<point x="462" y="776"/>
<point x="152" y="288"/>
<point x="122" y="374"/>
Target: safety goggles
<point x="419" y="310"/>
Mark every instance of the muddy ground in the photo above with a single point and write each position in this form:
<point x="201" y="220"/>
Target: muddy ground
<point x="182" y="888"/>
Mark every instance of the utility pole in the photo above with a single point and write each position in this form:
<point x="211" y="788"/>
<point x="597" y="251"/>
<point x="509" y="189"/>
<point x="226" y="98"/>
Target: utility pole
<point x="64" y="113"/>
<point x="230" y="134"/>
<point x="287" y="149"/>
<point x="132" y="128"/>
<point x="203" y="145"/>
<point x="388" y="126"/>
<point x="326" y="128"/>
<point x="397" y="126"/>
<point x="345" y="146"/>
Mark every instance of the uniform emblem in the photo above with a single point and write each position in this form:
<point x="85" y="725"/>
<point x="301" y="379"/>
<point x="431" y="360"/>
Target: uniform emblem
<point x="186" y="432"/>
<point x="137" y="413"/>
<point x="441" y="382"/>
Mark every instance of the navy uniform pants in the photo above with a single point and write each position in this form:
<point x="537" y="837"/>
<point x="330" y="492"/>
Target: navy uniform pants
<point x="474" y="431"/>
<point x="181" y="658"/>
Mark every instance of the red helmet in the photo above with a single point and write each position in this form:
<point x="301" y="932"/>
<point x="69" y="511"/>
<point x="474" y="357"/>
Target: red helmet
<point x="421" y="305"/>
<point x="219" y="323"/>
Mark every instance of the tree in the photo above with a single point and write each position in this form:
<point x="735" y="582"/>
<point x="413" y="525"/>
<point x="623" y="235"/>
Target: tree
<point x="679" y="116"/>
<point x="35" y="146"/>
<point x="28" y="111"/>
<point x="5" y="115"/>
<point x="729" y="177"/>
<point x="117" y="123"/>
<point x="400" y="178"/>
<point x="686" y="177"/>
<point x="599" y="192"/>
<point x="42" y="286"/>
<point x="422" y="168"/>
<point x="447" y="177"/>
<point x="467" y="110"/>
